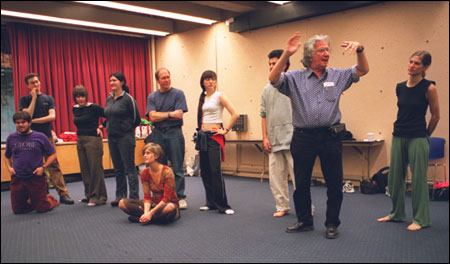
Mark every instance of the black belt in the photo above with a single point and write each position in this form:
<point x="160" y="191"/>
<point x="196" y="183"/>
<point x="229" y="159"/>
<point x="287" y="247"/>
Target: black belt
<point x="167" y="128"/>
<point x="311" y="130"/>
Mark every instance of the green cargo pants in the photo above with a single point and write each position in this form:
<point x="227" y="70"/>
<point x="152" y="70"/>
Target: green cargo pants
<point x="413" y="151"/>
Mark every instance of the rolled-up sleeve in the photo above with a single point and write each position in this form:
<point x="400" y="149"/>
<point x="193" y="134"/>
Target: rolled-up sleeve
<point x="353" y="77"/>
<point x="262" y="112"/>
<point x="282" y="84"/>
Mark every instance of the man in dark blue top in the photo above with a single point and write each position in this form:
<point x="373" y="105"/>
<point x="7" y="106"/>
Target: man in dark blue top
<point x="165" y="108"/>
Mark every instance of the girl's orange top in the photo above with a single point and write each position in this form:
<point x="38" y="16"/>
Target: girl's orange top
<point x="164" y="191"/>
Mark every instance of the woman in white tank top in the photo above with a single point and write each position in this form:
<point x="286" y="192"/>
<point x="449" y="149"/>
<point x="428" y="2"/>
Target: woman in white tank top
<point x="211" y="141"/>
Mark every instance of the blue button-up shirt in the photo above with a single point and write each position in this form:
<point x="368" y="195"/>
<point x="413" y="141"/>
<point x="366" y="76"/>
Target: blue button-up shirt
<point x="315" y="102"/>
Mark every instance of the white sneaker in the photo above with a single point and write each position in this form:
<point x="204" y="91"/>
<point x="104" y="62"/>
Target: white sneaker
<point x="229" y="212"/>
<point x="348" y="187"/>
<point x="183" y="204"/>
<point x="205" y="208"/>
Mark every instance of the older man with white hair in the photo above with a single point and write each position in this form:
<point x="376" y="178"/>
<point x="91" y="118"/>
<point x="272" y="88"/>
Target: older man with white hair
<point x="315" y="94"/>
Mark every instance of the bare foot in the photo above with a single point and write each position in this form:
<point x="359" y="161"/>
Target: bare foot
<point x="384" y="219"/>
<point x="280" y="214"/>
<point x="414" y="227"/>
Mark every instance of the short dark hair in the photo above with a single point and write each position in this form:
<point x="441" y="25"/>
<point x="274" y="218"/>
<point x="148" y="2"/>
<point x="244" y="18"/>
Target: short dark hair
<point x="80" y="90"/>
<point x="277" y="54"/>
<point x="22" y="115"/>
<point x="29" y="76"/>
<point x="160" y="69"/>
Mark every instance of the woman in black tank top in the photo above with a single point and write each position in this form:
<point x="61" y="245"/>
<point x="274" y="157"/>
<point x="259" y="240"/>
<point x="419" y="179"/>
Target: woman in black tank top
<point x="410" y="143"/>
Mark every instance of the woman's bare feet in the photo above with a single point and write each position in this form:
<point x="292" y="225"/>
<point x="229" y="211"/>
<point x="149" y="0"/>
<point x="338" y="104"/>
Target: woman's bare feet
<point x="384" y="219"/>
<point x="280" y="214"/>
<point x="414" y="227"/>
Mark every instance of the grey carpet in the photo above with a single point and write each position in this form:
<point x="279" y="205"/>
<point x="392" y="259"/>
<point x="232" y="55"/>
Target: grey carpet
<point x="76" y="233"/>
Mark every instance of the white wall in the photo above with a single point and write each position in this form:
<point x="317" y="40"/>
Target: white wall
<point x="390" y="32"/>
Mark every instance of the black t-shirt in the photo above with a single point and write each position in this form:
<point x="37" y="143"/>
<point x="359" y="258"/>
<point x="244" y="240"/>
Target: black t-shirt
<point x="43" y="104"/>
<point x="86" y="119"/>
<point x="412" y="109"/>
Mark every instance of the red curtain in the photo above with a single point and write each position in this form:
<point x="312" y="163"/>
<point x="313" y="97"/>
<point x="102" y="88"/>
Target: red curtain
<point x="65" y="58"/>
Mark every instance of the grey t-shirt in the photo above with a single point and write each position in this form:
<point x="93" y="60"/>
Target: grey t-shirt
<point x="169" y="101"/>
<point x="276" y="108"/>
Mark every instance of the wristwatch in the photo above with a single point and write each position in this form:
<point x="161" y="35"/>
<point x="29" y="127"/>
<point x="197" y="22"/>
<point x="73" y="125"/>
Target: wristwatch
<point x="168" y="115"/>
<point x="360" y="50"/>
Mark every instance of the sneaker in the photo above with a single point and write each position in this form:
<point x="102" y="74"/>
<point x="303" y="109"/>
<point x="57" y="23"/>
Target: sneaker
<point x="84" y="200"/>
<point x="183" y="204"/>
<point x="66" y="200"/>
<point x="205" y="208"/>
<point x="229" y="212"/>
<point x="387" y="193"/>
<point x="348" y="187"/>
<point x="91" y="204"/>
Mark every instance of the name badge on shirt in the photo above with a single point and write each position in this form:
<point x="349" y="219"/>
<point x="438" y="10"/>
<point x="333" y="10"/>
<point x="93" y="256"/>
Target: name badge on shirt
<point x="328" y="84"/>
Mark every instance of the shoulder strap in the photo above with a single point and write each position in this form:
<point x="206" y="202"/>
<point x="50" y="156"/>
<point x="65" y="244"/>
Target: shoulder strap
<point x="383" y="169"/>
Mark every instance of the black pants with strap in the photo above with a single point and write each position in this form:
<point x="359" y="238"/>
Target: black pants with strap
<point x="211" y="172"/>
<point x="306" y="145"/>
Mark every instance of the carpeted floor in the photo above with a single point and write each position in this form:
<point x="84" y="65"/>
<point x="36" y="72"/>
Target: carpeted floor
<point x="76" y="233"/>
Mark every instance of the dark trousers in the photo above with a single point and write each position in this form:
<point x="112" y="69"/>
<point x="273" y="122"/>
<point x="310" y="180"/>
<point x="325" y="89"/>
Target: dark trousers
<point x="90" y="155"/>
<point x="135" y="208"/>
<point x="122" y="155"/>
<point x="306" y="145"/>
<point x="31" y="194"/>
<point x="211" y="172"/>
<point x="172" y="142"/>
<point x="56" y="176"/>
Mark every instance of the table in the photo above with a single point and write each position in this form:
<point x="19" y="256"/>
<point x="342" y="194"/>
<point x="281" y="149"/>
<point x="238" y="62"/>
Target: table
<point x="257" y="143"/>
<point x="68" y="157"/>
<point x="355" y="144"/>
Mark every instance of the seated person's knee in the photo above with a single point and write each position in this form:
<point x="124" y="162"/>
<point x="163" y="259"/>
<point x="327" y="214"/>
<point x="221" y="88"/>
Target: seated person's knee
<point x="169" y="208"/>
<point x="122" y="204"/>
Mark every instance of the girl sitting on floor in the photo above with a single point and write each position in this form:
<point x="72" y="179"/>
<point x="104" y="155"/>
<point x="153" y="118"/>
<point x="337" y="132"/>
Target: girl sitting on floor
<point x="160" y="204"/>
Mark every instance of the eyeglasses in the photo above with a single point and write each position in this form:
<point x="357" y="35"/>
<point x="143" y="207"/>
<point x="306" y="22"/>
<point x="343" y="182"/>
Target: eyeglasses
<point x="322" y="50"/>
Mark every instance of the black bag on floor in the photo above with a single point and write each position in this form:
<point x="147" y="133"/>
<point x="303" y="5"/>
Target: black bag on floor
<point x="368" y="187"/>
<point x="440" y="191"/>
<point x="381" y="179"/>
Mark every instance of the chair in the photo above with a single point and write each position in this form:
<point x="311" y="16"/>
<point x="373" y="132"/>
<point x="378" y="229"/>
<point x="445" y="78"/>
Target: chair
<point x="437" y="151"/>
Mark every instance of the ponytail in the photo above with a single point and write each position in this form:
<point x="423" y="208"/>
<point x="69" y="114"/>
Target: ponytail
<point x="126" y="88"/>
<point x="201" y="101"/>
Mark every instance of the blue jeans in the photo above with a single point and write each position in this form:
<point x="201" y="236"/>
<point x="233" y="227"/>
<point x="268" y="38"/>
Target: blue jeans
<point x="172" y="142"/>
<point x="122" y="155"/>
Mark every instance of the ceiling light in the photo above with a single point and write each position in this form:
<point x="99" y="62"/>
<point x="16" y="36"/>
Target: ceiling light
<point x="149" y="11"/>
<point x="279" y="2"/>
<point x="83" y="23"/>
